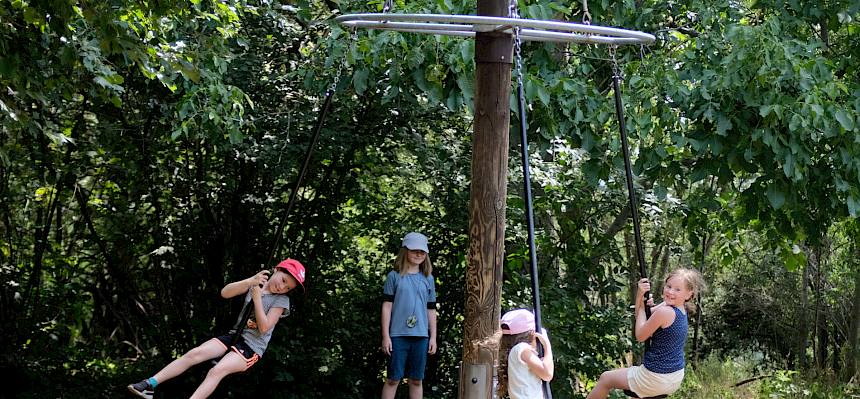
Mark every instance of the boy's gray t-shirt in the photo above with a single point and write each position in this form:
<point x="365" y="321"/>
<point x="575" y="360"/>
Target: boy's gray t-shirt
<point x="412" y="293"/>
<point x="256" y="341"/>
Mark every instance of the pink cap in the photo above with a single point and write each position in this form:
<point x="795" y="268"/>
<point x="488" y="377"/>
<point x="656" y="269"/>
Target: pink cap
<point x="518" y="321"/>
<point x="295" y="269"/>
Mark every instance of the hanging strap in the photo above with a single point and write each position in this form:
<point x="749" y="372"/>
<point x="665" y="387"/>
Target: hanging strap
<point x="631" y="193"/>
<point x="273" y="253"/>
<point x="321" y="117"/>
<point x="248" y="307"/>
<point x="527" y="187"/>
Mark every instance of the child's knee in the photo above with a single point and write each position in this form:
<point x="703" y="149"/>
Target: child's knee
<point x="612" y="378"/>
<point x="392" y="382"/>
<point x="605" y="377"/>
<point x="415" y="382"/>
<point x="195" y="355"/>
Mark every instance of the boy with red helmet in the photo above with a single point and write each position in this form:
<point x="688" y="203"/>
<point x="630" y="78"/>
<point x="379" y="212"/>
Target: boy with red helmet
<point x="270" y="303"/>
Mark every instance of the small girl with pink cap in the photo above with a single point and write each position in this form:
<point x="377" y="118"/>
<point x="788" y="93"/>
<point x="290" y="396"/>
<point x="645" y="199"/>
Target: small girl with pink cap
<point x="521" y="370"/>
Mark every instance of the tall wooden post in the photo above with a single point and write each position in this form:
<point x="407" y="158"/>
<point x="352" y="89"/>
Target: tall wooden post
<point x="493" y="53"/>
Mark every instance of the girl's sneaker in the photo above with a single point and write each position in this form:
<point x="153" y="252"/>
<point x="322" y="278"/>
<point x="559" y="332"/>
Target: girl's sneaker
<point x="142" y="389"/>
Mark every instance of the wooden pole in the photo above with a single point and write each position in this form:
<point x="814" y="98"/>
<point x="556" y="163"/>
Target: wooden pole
<point x="493" y="54"/>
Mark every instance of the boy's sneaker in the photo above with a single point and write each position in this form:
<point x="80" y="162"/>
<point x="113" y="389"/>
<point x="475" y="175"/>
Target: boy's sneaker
<point x="142" y="389"/>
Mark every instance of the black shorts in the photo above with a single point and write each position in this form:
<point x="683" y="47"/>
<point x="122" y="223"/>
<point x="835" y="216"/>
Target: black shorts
<point x="240" y="347"/>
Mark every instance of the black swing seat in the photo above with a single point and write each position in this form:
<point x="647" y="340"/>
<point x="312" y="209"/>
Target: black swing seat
<point x="633" y="395"/>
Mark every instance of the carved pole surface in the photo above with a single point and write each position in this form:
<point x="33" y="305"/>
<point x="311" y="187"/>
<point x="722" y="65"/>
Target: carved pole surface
<point x="493" y="52"/>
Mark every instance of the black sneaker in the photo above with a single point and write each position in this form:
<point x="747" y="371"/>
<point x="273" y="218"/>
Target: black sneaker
<point x="142" y="389"/>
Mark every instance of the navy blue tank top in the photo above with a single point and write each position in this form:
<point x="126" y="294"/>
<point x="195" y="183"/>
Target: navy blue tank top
<point x="666" y="353"/>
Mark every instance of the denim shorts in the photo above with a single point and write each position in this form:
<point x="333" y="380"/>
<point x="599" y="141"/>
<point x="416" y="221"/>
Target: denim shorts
<point x="408" y="358"/>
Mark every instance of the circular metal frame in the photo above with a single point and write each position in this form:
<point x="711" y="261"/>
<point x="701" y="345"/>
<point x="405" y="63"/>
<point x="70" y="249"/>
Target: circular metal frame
<point x="468" y="25"/>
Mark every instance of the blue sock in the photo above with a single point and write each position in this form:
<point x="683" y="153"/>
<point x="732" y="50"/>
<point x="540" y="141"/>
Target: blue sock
<point x="152" y="382"/>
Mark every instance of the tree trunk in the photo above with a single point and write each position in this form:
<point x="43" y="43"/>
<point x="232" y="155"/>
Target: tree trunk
<point x="633" y="279"/>
<point x="853" y="350"/>
<point x="822" y="332"/>
<point x="656" y="256"/>
<point x="803" y="322"/>
<point x="488" y="192"/>
<point x="617" y="225"/>
<point x="664" y="263"/>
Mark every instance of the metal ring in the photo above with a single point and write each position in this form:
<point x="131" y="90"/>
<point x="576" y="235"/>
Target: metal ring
<point x="468" y="25"/>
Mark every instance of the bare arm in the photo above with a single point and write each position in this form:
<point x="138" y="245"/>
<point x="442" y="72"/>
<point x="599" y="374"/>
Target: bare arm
<point x="543" y="368"/>
<point x="431" y="321"/>
<point x="661" y="316"/>
<point x="242" y="286"/>
<point x="236" y="288"/>
<point x="386" y="321"/>
<point x="265" y="322"/>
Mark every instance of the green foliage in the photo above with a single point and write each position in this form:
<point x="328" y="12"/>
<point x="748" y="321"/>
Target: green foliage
<point x="747" y="376"/>
<point x="148" y="151"/>
<point x="715" y="378"/>
<point x="791" y="384"/>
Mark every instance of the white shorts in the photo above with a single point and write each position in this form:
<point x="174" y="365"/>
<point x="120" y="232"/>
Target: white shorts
<point x="646" y="383"/>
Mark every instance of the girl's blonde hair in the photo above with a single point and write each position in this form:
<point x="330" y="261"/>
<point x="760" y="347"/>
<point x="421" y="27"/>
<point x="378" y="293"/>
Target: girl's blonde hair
<point x="695" y="283"/>
<point x="505" y="344"/>
<point x="426" y="267"/>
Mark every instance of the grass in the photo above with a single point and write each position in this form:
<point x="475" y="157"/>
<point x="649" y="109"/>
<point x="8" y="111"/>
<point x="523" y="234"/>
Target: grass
<point x="716" y="378"/>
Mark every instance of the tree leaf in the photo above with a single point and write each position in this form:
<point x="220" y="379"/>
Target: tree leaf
<point x="845" y="119"/>
<point x="359" y="80"/>
<point x="775" y="196"/>
<point x="723" y="124"/>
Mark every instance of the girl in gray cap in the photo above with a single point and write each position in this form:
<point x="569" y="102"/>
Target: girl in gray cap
<point x="409" y="316"/>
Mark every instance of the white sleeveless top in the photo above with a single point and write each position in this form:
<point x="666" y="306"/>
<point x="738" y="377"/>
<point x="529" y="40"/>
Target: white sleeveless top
<point x="522" y="383"/>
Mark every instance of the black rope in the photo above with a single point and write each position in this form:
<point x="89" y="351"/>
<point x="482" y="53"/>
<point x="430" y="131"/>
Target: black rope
<point x="631" y="193"/>
<point x="530" y="223"/>
<point x="273" y="255"/>
<point x="527" y="191"/>
<point x="247" y="308"/>
<point x="530" y="218"/>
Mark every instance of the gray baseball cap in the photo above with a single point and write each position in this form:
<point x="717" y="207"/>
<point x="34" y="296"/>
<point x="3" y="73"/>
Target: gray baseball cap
<point x="415" y="241"/>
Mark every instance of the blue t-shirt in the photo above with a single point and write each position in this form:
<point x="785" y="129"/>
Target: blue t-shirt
<point x="666" y="353"/>
<point x="411" y="295"/>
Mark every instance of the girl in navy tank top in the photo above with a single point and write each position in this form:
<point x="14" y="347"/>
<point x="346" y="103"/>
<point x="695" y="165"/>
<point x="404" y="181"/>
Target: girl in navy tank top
<point x="662" y="370"/>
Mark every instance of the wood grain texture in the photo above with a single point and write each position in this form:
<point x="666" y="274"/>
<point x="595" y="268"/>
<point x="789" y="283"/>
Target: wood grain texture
<point x="487" y="215"/>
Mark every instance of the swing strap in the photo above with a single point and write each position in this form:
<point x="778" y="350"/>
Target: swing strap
<point x="628" y="171"/>
<point x="323" y="113"/>
<point x="527" y="187"/>
<point x="248" y="307"/>
<point x="321" y="117"/>
<point x="241" y="323"/>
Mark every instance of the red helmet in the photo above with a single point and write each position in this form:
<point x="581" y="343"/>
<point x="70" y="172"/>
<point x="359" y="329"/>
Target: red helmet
<point x="295" y="269"/>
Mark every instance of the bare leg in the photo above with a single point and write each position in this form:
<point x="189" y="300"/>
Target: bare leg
<point x="609" y="380"/>
<point x="416" y="389"/>
<point x="231" y="363"/>
<point x="207" y="350"/>
<point x="390" y="389"/>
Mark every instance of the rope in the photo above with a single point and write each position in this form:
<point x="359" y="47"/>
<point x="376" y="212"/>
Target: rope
<point x="321" y="116"/>
<point x="527" y="188"/>
<point x="273" y="253"/>
<point x="631" y="193"/>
